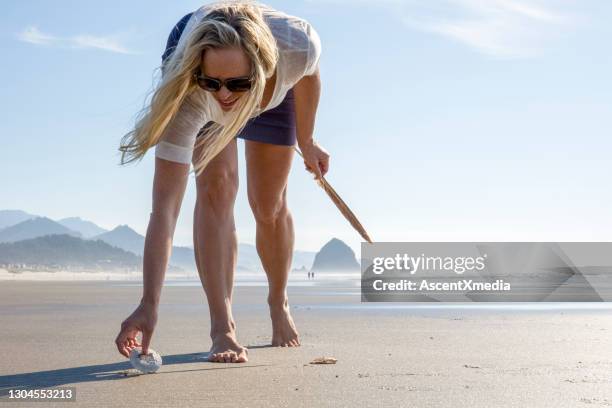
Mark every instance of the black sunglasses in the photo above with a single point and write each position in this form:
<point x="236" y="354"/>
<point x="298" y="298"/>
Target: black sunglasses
<point x="210" y="84"/>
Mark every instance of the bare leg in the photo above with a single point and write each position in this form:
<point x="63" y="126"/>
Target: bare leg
<point x="268" y="168"/>
<point x="215" y="245"/>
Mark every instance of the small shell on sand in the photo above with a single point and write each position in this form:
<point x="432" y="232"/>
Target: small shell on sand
<point x="148" y="363"/>
<point x="324" y="360"/>
<point x="130" y="373"/>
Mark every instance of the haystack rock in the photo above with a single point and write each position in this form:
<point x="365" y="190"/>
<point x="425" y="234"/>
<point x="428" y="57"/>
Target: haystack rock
<point x="335" y="256"/>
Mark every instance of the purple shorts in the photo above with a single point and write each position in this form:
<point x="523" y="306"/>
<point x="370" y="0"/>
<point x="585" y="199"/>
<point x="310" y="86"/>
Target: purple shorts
<point x="275" y="126"/>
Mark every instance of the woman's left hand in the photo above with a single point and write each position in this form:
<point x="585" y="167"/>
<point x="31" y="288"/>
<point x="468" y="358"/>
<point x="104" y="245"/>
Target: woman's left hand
<point x="316" y="159"/>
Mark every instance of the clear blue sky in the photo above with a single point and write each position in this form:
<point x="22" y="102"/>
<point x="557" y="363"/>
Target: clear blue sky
<point x="445" y="120"/>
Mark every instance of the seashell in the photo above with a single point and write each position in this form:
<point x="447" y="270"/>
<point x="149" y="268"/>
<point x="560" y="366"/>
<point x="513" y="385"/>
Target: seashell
<point x="147" y="363"/>
<point x="131" y="373"/>
<point x="324" y="360"/>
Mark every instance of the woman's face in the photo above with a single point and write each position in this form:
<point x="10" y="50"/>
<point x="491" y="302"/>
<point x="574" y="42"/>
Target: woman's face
<point x="222" y="64"/>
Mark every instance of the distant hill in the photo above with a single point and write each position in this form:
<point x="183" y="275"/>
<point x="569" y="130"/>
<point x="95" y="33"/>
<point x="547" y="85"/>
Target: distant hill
<point x="33" y="228"/>
<point x="335" y="256"/>
<point x="86" y="228"/>
<point x="126" y="238"/>
<point x="67" y="251"/>
<point x="248" y="260"/>
<point x="8" y="218"/>
<point x="123" y="237"/>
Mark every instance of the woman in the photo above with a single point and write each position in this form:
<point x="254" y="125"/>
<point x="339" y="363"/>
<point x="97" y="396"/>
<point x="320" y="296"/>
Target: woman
<point x="231" y="69"/>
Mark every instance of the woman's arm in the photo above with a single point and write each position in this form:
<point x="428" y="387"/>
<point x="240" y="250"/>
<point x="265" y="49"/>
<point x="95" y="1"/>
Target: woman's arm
<point x="307" y="93"/>
<point x="168" y="190"/>
<point x="169" y="185"/>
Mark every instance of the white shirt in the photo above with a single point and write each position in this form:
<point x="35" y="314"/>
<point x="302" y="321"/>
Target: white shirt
<point x="299" y="48"/>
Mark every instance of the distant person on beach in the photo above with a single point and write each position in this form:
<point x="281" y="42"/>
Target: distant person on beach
<point x="230" y="70"/>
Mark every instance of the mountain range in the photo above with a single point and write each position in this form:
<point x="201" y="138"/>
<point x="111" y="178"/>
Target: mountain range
<point x="66" y="252"/>
<point x="34" y="227"/>
<point x="19" y="226"/>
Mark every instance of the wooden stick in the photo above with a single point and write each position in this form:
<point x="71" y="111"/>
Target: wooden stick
<point x="344" y="209"/>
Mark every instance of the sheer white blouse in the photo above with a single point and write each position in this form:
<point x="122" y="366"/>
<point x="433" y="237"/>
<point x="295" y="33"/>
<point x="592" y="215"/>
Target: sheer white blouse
<point x="299" y="48"/>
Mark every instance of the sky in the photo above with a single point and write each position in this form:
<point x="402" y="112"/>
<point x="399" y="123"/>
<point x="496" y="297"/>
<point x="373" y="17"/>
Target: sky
<point x="446" y="120"/>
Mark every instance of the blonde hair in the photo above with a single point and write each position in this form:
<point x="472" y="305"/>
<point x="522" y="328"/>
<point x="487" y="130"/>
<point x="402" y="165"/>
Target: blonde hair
<point x="230" y="24"/>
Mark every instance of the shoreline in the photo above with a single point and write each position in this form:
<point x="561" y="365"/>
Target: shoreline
<point x="63" y="275"/>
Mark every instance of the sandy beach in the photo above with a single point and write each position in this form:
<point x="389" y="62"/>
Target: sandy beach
<point x="60" y="334"/>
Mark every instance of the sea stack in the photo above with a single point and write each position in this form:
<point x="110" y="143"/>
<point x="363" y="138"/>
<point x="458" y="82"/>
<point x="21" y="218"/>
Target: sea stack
<point x="335" y="256"/>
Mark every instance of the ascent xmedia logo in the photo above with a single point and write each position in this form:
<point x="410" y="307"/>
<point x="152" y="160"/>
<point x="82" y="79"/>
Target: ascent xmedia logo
<point x="422" y="263"/>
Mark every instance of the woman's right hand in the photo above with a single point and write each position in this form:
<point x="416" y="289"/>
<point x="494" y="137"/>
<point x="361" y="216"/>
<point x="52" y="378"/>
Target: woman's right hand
<point x="142" y="320"/>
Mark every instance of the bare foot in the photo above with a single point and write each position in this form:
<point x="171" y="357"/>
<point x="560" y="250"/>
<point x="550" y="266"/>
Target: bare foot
<point x="225" y="349"/>
<point x="284" y="333"/>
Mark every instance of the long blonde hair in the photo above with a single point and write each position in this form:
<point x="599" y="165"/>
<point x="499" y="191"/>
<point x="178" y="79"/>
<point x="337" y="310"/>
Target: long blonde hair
<point x="229" y="24"/>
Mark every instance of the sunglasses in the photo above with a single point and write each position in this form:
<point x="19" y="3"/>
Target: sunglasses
<point x="210" y="84"/>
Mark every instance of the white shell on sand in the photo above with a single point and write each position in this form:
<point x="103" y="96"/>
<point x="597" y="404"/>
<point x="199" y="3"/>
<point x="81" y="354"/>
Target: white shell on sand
<point x="148" y="363"/>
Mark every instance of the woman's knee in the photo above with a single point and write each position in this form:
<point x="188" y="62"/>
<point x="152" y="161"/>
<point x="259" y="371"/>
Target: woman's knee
<point x="268" y="211"/>
<point x="217" y="191"/>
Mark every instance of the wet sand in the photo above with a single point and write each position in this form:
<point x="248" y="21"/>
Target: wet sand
<point x="61" y="334"/>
